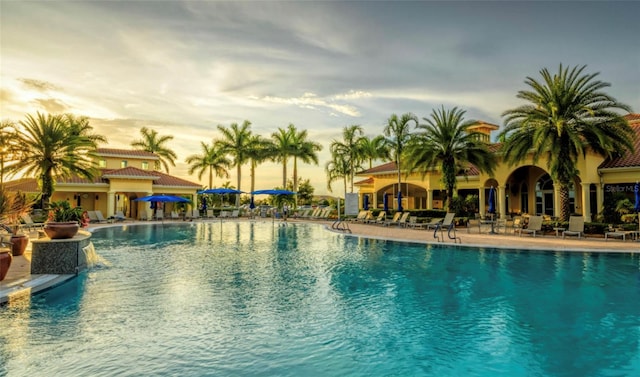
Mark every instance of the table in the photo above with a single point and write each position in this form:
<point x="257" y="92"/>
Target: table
<point x="558" y="230"/>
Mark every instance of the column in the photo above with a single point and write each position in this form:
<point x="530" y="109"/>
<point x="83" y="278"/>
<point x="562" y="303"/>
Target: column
<point x="502" y="202"/>
<point x="586" y="202"/>
<point x="194" y="199"/>
<point x="600" y="197"/>
<point x="481" y="198"/>
<point x="111" y="202"/>
<point x="429" y="199"/>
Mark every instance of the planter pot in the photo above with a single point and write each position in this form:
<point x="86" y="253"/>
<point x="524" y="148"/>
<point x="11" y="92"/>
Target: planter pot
<point x="5" y="263"/>
<point x="20" y="243"/>
<point x="57" y="231"/>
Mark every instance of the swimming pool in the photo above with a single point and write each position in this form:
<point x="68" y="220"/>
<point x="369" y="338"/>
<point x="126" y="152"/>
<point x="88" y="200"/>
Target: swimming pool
<point x="254" y="299"/>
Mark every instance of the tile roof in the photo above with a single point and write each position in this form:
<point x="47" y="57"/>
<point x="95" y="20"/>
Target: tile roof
<point x="628" y="159"/>
<point x="23" y="185"/>
<point x="632" y="118"/>
<point x="367" y="181"/>
<point x="130" y="173"/>
<point x="112" y="152"/>
<point x="389" y="167"/>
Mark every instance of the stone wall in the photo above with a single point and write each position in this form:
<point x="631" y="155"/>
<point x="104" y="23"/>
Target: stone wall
<point x="60" y="256"/>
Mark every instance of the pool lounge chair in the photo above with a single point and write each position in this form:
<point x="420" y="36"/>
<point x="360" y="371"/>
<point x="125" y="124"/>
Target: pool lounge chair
<point x="617" y="233"/>
<point x="100" y="217"/>
<point x="434" y="223"/>
<point x="159" y="214"/>
<point x="450" y="225"/>
<point x="360" y="217"/>
<point x="29" y="224"/>
<point x="394" y="220"/>
<point x="119" y="216"/>
<point x="378" y="220"/>
<point x="174" y="215"/>
<point x="210" y="214"/>
<point x="534" y="226"/>
<point x="576" y="227"/>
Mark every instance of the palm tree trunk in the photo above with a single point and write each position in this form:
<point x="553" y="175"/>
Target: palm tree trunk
<point x="239" y="170"/>
<point x="284" y="173"/>
<point x="210" y="176"/>
<point x="295" y="174"/>
<point x="565" y="205"/>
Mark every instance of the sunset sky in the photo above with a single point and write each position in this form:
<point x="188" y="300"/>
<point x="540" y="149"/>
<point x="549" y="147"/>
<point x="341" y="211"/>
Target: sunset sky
<point x="183" y="67"/>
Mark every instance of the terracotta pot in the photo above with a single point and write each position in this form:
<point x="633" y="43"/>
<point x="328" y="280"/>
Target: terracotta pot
<point x="20" y="242"/>
<point x="5" y="263"/>
<point x="57" y="231"/>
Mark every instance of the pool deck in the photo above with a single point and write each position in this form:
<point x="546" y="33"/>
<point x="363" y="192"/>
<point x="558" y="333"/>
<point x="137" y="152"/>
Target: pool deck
<point x="20" y="282"/>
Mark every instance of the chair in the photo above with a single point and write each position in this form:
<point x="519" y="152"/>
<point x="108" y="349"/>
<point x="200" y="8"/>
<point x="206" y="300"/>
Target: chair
<point x="394" y="220"/>
<point x="378" y="220"/>
<point x="472" y="223"/>
<point x="534" y="226"/>
<point x="159" y="214"/>
<point x="100" y="217"/>
<point x="235" y="214"/>
<point x="92" y="217"/>
<point x="403" y="220"/>
<point x="174" y="215"/>
<point x="28" y="222"/>
<point x="576" y="227"/>
<point x="448" y="223"/>
<point x="210" y="214"/>
<point x="617" y="233"/>
<point x="119" y="216"/>
<point x="434" y="223"/>
<point x="195" y="214"/>
<point x="360" y="217"/>
<point x="224" y="214"/>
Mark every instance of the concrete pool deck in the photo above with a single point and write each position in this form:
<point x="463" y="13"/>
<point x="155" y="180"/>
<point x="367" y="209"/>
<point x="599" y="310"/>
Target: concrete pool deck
<point x="20" y="282"/>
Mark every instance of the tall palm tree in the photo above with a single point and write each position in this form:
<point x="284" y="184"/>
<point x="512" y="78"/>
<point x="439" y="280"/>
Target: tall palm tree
<point x="305" y="150"/>
<point x="152" y="142"/>
<point x="398" y="133"/>
<point x="444" y="142"/>
<point x="374" y="148"/>
<point x="337" y="168"/>
<point x="567" y="115"/>
<point x="283" y="140"/>
<point x="10" y="147"/>
<point x="349" y="148"/>
<point x="212" y="160"/>
<point x="54" y="146"/>
<point x="236" y="141"/>
<point x="260" y="150"/>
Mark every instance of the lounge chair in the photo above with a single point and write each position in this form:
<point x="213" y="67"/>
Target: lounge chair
<point x="414" y="224"/>
<point x="534" y="226"/>
<point x="29" y="224"/>
<point x="224" y="214"/>
<point x="380" y="219"/>
<point x="92" y="217"/>
<point x="472" y="223"/>
<point x="403" y="220"/>
<point x="174" y="215"/>
<point x="159" y="214"/>
<point x="617" y="233"/>
<point x="434" y="223"/>
<point x="447" y="223"/>
<point x="119" y="216"/>
<point x="100" y="217"/>
<point x="394" y="220"/>
<point x="576" y="227"/>
<point x="361" y="216"/>
<point x="195" y="214"/>
<point x="144" y="215"/>
<point x="235" y="214"/>
<point x="210" y="214"/>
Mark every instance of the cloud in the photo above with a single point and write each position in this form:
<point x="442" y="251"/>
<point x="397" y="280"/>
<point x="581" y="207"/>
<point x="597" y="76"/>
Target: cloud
<point x="38" y="85"/>
<point x="51" y="105"/>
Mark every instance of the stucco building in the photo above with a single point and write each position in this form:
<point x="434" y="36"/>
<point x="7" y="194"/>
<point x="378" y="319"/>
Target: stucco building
<point x="525" y="188"/>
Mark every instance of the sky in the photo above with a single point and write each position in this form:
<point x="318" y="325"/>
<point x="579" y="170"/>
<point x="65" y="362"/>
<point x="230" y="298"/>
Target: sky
<point x="184" y="67"/>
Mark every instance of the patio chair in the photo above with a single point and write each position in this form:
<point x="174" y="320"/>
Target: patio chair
<point x="434" y="223"/>
<point x="447" y="223"/>
<point x="119" y="216"/>
<point x="473" y="223"/>
<point x="394" y="220"/>
<point x="174" y="215"/>
<point x="92" y="217"/>
<point x="360" y="217"/>
<point x="100" y="217"/>
<point x="235" y="214"/>
<point x="159" y="214"/>
<point x="377" y="220"/>
<point x="29" y="224"/>
<point x="210" y="214"/>
<point x="403" y="220"/>
<point x="534" y="226"/>
<point x="619" y="233"/>
<point x="576" y="227"/>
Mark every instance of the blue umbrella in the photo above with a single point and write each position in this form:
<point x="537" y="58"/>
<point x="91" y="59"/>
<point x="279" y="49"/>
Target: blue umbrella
<point x="492" y="200"/>
<point x="400" y="209"/>
<point x="636" y="188"/>
<point x="272" y="192"/>
<point x="252" y="205"/>
<point x="162" y="199"/>
<point x="366" y="203"/>
<point x="385" y="202"/>
<point x="222" y="191"/>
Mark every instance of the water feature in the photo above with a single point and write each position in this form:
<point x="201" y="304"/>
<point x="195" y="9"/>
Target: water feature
<point x="253" y="299"/>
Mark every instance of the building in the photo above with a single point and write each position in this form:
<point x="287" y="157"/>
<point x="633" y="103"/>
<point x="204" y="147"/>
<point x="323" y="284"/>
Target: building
<point x="124" y="175"/>
<point x="526" y="188"/>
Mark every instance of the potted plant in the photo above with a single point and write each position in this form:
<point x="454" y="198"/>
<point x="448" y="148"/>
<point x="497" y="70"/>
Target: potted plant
<point x="12" y="206"/>
<point x="63" y="220"/>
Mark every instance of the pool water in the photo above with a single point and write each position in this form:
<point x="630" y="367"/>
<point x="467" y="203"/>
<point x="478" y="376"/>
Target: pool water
<point x="258" y="299"/>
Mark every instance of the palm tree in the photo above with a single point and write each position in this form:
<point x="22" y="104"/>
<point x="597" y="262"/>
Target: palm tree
<point x="9" y="146"/>
<point x="444" y="142"/>
<point x="568" y="114"/>
<point x="153" y="143"/>
<point x="236" y="141"/>
<point x="373" y="149"/>
<point x="398" y="134"/>
<point x="54" y="146"/>
<point x="337" y="168"/>
<point x="211" y="160"/>
<point x="305" y="150"/>
<point x="349" y="148"/>
<point x="260" y="150"/>
<point x="283" y="148"/>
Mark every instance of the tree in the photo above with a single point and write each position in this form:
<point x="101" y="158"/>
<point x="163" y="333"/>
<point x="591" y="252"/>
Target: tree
<point x="260" y="150"/>
<point x="236" y="141"/>
<point x="337" y="168"/>
<point x="305" y="150"/>
<point x="152" y="142"/>
<point x="374" y="148"/>
<point x="54" y="146"/>
<point x="211" y="160"/>
<point x="567" y="115"/>
<point x="349" y="149"/>
<point x="398" y="133"/>
<point x="10" y="147"/>
<point x="444" y="142"/>
<point x="305" y="191"/>
<point x="283" y="140"/>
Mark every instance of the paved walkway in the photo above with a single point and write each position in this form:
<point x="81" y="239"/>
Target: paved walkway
<point x="19" y="280"/>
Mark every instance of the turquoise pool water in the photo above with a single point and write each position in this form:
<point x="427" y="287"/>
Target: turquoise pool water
<point x="253" y="299"/>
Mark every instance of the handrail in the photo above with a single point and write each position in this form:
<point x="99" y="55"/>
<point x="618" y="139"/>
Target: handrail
<point x="341" y="226"/>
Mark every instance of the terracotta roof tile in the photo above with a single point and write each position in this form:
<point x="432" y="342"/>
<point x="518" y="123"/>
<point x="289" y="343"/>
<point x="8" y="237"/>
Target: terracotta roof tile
<point x="367" y="181"/>
<point x="632" y="118"/>
<point x="384" y="168"/>
<point x="628" y="159"/>
<point x="130" y="172"/>
<point x="23" y="185"/>
<point x="112" y="152"/>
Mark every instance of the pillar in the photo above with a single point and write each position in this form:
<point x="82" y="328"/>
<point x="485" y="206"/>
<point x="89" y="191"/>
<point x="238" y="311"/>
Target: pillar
<point x="586" y="202"/>
<point x="429" y="199"/>
<point x="111" y="202"/>
<point x="502" y="202"/>
<point x="481" y="198"/>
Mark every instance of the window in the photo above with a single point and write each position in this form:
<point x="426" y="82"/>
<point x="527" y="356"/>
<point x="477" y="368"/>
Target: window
<point x="102" y="163"/>
<point x="123" y="163"/>
<point x="145" y="165"/>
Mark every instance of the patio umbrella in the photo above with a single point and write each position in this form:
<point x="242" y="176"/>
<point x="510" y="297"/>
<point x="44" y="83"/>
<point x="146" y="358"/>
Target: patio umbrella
<point x="220" y="191"/>
<point x="252" y="205"/>
<point x="385" y="202"/>
<point x="162" y="199"/>
<point x="400" y="209"/>
<point x="492" y="200"/>
<point x="272" y="192"/>
<point x="366" y="203"/>
<point x="636" y="188"/>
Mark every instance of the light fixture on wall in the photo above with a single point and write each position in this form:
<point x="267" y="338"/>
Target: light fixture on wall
<point x="97" y="197"/>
